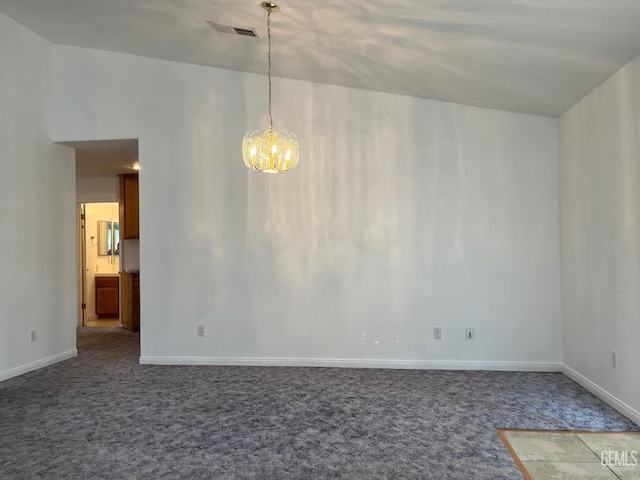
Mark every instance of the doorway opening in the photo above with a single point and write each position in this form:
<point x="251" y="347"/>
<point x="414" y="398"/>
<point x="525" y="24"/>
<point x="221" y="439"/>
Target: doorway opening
<point x="108" y="254"/>
<point x="100" y="271"/>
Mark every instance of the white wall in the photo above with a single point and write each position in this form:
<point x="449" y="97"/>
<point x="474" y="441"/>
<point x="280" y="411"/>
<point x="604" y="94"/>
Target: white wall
<point x="130" y="254"/>
<point x="403" y="214"/>
<point x="600" y="197"/>
<point x="37" y="195"/>
<point x="97" y="189"/>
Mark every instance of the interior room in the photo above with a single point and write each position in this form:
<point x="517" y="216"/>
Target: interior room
<point x="447" y="248"/>
<point x="102" y="261"/>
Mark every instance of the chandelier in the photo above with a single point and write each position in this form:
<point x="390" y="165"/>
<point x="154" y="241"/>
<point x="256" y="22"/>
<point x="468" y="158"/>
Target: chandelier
<point x="271" y="151"/>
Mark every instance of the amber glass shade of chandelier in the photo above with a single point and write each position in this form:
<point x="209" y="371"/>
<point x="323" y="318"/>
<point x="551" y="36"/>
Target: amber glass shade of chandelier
<point x="270" y="152"/>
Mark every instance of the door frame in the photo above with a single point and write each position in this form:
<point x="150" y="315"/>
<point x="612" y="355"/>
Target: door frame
<point x="81" y="262"/>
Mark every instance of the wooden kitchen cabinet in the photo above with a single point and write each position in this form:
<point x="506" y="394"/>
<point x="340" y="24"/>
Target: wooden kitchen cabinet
<point x="129" y="206"/>
<point x="107" y="296"/>
<point x="130" y="304"/>
<point x="136" y="301"/>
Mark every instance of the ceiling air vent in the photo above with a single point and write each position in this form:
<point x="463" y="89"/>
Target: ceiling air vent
<point x="245" y="32"/>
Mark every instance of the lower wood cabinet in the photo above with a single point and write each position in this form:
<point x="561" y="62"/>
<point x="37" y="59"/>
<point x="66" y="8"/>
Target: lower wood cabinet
<point x="130" y="301"/>
<point x="107" y="296"/>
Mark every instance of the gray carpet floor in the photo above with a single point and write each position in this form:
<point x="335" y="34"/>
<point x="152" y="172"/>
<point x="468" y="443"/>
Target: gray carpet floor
<point x="103" y="416"/>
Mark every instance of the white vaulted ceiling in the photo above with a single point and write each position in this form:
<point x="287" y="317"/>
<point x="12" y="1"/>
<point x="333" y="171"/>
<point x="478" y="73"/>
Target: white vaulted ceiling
<point x="533" y="56"/>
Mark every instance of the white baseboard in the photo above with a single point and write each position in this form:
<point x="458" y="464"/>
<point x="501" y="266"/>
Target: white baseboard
<point x="355" y="363"/>
<point x="601" y="393"/>
<point x="610" y="399"/>
<point x="14" y="372"/>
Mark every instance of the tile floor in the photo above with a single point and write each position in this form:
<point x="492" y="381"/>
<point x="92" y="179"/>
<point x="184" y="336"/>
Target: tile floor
<point x="575" y="455"/>
<point x="103" y="322"/>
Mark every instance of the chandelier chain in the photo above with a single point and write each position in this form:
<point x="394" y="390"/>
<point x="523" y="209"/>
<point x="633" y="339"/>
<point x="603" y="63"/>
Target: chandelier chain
<point x="269" y="57"/>
<point x="270" y="151"/>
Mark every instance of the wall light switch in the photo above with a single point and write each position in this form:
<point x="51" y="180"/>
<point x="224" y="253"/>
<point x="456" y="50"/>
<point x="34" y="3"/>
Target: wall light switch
<point x="437" y="333"/>
<point x="470" y="333"/>
<point x="32" y="335"/>
<point x="201" y="330"/>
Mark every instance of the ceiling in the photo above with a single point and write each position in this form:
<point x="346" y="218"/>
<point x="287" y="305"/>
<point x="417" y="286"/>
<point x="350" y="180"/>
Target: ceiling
<point x="104" y="158"/>
<point x="533" y="56"/>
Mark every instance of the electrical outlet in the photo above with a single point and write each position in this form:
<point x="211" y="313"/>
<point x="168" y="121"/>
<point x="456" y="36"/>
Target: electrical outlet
<point x="614" y="359"/>
<point x="437" y="333"/>
<point x="33" y="335"/>
<point x="469" y="333"/>
<point x="201" y="330"/>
